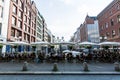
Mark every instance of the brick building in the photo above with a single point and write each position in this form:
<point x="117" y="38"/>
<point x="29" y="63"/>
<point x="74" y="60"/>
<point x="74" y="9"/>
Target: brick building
<point x="109" y="21"/>
<point x="89" y="30"/>
<point x="22" y="21"/>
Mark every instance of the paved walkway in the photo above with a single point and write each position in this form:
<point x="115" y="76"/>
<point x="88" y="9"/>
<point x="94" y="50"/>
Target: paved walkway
<point x="63" y="67"/>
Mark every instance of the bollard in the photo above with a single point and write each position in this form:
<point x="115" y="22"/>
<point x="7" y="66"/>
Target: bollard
<point x="85" y="66"/>
<point x="55" y="67"/>
<point x="25" y="65"/>
<point x="116" y="64"/>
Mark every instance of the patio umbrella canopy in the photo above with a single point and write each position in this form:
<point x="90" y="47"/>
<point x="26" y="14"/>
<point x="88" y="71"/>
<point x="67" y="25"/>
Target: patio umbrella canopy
<point x="63" y="43"/>
<point x="66" y="51"/>
<point x="18" y="43"/>
<point x="110" y="43"/>
<point x="4" y="43"/>
<point x="87" y="43"/>
<point x="74" y="53"/>
<point x="40" y="43"/>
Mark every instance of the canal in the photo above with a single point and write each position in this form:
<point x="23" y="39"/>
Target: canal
<point x="59" y="77"/>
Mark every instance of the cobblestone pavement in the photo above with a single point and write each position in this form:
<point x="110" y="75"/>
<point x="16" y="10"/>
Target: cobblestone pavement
<point x="93" y="67"/>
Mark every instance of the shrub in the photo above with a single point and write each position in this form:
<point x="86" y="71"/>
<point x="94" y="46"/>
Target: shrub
<point x="1" y="46"/>
<point x="89" y="47"/>
<point x="106" y="47"/>
<point x="52" y="47"/>
<point x="34" y="47"/>
<point x="70" y="47"/>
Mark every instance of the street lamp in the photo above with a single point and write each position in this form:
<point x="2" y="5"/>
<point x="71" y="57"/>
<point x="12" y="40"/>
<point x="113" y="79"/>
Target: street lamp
<point x="103" y="38"/>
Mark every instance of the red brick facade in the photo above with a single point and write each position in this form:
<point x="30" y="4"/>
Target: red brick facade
<point x="22" y="21"/>
<point x="109" y="21"/>
<point x="83" y="28"/>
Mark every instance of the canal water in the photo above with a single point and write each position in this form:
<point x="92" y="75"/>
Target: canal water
<point x="59" y="77"/>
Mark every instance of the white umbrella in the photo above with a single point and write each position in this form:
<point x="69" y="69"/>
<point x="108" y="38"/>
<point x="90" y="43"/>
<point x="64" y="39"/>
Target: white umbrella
<point x="18" y="43"/>
<point x="74" y="53"/>
<point x="87" y="43"/>
<point x="66" y="51"/>
<point x="40" y="43"/>
<point x="110" y="43"/>
<point x="4" y="43"/>
<point x="63" y="43"/>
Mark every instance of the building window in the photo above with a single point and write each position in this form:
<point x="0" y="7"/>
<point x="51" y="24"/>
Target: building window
<point x="20" y="4"/>
<point x="107" y="34"/>
<point x="13" y="32"/>
<point x="20" y="14"/>
<point x="16" y="1"/>
<point x="0" y="28"/>
<point x="14" y="21"/>
<point x="119" y="31"/>
<point x="19" y="24"/>
<point x="102" y="27"/>
<point x="34" y="32"/>
<point x="25" y="9"/>
<point x="29" y="13"/>
<point x="112" y="22"/>
<point x="18" y="33"/>
<point x="29" y="21"/>
<point x="14" y="9"/>
<point x="110" y="12"/>
<point x="106" y="25"/>
<point x="118" y="18"/>
<point x="29" y="29"/>
<point x="34" y="26"/>
<point x="1" y="12"/>
<point x="113" y="33"/>
<point x="28" y="38"/>
<point x="25" y="18"/>
<point x="24" y="36"/>
<point x="25" y="27"/>
<point x="117" y="7"/>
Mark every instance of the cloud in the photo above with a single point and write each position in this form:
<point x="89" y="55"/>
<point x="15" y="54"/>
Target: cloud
<point x="68" y="2"/>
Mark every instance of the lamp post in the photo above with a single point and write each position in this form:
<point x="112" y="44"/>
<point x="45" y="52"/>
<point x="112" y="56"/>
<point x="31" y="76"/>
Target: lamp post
<point x="103" y="38"/>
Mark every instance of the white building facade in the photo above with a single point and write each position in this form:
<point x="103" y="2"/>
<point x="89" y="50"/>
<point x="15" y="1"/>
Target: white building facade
<point x="4" y="15"/>
<point x="39" y="27"/>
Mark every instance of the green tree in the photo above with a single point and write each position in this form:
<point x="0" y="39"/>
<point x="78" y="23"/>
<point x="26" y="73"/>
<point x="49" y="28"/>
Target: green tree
<point x="1" y="46"/>
<point x="52" y="46"/>
<point x="70" y="47"/>
<point x="15" y="47"/>
<point x="34" y="47"/>
<point x="89" y="47"/>
<point x="106" y="47"/>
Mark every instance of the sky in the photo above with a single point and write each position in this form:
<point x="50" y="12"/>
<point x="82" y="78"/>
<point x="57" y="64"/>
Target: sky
<point x="63" y="17"/>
